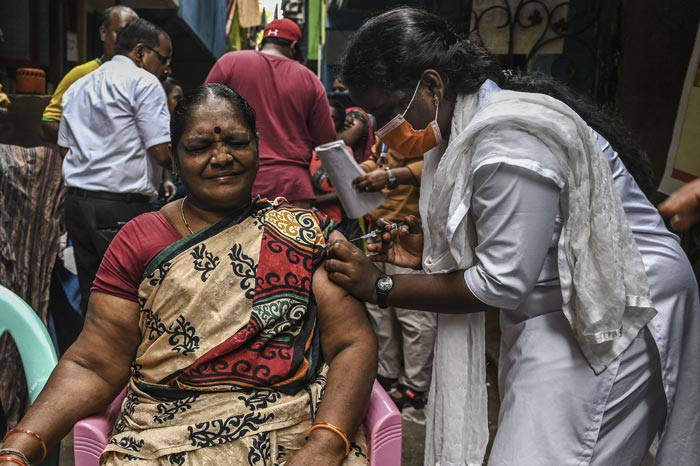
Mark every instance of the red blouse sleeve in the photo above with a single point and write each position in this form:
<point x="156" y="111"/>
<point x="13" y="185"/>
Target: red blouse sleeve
<point x="136" y="244"/>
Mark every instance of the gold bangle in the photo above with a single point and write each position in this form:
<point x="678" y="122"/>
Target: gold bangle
<point x="331" y="427"/>
<point x="18" y="430"/>
<point x="12" y="459"/>
<point x="14" y="452"/>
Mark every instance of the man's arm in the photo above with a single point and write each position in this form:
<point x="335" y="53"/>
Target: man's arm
<point x="161" y="154"/>
<point x="153" y="120"/>
<point x="683" y="207"/>
<point x="48" y="131"/>
<point x="319" y="121"/>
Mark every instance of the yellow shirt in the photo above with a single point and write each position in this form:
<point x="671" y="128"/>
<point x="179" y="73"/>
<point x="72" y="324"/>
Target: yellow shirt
<point x="54" y="110"/>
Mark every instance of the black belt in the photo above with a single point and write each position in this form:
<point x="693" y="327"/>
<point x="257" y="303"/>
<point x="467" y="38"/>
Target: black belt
<point x="121" y="197"/>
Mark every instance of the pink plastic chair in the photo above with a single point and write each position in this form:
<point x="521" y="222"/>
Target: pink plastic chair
<point x="383" y="423"/>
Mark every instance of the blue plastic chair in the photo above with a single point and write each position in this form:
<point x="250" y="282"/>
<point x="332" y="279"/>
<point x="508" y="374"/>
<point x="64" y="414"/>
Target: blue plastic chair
<point x="34" y="344"/>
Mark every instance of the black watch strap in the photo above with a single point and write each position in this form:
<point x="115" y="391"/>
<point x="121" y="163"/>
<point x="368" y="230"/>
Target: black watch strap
<point x="383" y="286"/>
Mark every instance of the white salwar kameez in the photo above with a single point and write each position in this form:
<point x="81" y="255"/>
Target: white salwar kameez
<point x="554" y="409"/>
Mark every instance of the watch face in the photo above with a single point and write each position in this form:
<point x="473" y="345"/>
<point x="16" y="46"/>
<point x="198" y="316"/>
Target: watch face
<point x="385" y="284"/>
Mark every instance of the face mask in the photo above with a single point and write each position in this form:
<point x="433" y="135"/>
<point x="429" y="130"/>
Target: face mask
<point x="400" y="136"/>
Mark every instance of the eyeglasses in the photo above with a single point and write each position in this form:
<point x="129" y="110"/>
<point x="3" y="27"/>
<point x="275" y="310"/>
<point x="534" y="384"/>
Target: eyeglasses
<point x="163" y="59"/>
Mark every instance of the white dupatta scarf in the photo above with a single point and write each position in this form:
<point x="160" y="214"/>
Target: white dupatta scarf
<point x="603" y="281"/>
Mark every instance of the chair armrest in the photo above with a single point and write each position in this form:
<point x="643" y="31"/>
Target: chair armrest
<point x="91" y="433"/>
<point x="383" y="423"/>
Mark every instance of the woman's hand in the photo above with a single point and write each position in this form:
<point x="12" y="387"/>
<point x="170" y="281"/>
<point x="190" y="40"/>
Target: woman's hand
<point x="350" y="268"/>
<point x="373" y="181"/>
<point x="402" y="247"/>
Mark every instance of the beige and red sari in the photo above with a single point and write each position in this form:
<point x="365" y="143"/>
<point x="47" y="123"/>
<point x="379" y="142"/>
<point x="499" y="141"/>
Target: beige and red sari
<point x="229" y="370"/>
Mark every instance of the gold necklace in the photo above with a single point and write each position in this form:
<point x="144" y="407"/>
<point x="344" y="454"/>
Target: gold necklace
<point x="182" y="212"/>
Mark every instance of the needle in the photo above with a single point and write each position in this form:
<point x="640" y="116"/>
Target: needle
<point x="374" y="233"/>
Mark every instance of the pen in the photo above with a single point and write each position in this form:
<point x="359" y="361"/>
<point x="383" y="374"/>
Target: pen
<point x="379" y="231"/>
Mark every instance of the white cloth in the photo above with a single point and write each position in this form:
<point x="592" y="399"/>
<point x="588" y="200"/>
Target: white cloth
<point x="446" y="196"/>
<point x="110" y="118"/>
<point x="554" y="410"/>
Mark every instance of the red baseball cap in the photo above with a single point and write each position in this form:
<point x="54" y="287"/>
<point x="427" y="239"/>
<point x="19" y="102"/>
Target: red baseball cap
<point x="283" y="29"/>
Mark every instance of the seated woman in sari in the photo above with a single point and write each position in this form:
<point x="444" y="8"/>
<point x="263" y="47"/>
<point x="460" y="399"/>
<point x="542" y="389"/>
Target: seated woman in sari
<point x="217" y="314"/>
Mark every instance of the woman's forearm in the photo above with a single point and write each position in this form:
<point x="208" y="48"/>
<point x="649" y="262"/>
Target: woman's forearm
<point x="350" y="268"/>
<point x="350" y="378"/>
<point x="405" y="176"/>
<point x="88" y="377"/>
<point x="349" y="346"/>
<point x="73" y="392"/>
<point x="445" y="293"/>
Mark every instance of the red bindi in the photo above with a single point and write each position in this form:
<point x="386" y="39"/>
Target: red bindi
<point x="217" y="129"/>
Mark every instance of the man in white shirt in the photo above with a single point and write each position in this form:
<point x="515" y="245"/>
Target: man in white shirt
<point x="114" y="134"/>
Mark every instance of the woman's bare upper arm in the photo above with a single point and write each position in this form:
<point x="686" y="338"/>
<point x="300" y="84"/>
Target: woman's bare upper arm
<point x="110" y="337"/>
<point x="342" y="318"/>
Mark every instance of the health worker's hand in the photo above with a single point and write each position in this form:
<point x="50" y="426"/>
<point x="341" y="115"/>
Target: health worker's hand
<point x="402" y="247"/>
<point x="350" y="268"/>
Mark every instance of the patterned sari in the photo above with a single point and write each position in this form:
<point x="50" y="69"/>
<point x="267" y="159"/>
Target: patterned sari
<point x="229" y="368"/>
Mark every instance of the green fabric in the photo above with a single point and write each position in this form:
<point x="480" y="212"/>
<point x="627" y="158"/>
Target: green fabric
<point x="235" y="40"/>
<point x="314" y="29"/>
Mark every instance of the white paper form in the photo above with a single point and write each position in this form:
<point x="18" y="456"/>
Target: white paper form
<point x="342" y="169"/>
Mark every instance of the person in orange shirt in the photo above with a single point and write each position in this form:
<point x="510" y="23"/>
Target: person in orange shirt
<point x="406" y="337"/>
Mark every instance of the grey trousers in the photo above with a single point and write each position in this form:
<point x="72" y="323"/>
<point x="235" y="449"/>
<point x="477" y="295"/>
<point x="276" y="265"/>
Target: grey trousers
<point x="406" y="338"/>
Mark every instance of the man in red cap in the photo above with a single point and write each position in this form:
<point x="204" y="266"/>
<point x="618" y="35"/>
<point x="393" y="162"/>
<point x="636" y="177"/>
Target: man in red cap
<point x="292" y="110"/>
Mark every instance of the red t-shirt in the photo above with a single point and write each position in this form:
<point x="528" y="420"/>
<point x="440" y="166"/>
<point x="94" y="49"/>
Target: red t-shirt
<point x="137" y="243"/>
<point x="293" y="117"/>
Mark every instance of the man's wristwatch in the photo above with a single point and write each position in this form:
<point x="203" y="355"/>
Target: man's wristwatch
<point x="391" y="181"/>
<point x="383" y="286"/>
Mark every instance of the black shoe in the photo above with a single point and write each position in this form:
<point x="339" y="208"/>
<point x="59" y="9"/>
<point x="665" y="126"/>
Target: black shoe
<point x="407" y="398"/>
<point x="387" y="383"/>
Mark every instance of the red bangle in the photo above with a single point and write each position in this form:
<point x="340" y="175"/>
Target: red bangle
<point x="12" y="459"/>
<point x="18" y="430"/>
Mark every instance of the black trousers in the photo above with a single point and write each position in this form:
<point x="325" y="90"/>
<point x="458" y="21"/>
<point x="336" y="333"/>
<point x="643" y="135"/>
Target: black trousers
<point x="92" y="221"/>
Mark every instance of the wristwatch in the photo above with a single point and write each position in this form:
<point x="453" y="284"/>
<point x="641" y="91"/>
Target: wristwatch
<point x="383" y="286"/>
<point x="391" y="181"/>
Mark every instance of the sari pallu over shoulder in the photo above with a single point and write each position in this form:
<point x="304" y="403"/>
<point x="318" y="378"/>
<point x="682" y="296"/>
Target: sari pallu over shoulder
<point x="228" y="309"/>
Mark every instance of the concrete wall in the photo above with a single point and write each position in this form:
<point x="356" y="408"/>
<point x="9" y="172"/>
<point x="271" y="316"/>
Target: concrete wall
<point x="656" y="42"/>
